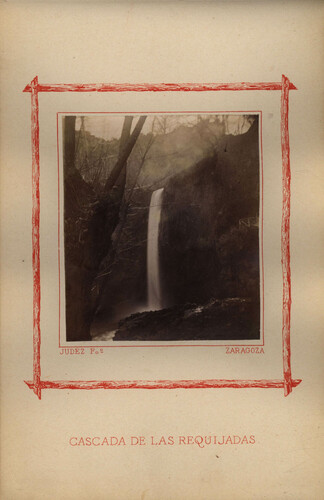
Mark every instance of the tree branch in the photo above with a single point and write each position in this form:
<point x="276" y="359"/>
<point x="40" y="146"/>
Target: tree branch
<point x="124" y="156"/>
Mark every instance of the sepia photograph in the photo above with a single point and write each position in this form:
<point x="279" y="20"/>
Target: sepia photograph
<point x="162" y="227"/>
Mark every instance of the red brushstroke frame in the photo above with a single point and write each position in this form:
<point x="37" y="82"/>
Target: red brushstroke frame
<point x="37" y="385"/>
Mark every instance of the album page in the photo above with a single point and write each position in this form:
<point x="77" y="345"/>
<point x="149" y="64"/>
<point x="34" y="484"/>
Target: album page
<point x="161" y="250"/>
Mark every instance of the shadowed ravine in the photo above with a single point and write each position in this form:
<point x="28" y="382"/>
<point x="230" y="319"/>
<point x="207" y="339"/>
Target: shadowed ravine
<point x="186" y="261"/>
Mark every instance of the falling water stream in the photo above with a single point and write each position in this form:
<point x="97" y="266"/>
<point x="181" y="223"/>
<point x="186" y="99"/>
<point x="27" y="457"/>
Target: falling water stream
<point x="154" y="294"/>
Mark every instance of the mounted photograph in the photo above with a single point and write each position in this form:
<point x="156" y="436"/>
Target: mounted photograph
<point x="161" y="227"/>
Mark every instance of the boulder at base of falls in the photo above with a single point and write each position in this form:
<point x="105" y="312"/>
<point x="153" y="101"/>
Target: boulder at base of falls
<point x="227" y="319"/>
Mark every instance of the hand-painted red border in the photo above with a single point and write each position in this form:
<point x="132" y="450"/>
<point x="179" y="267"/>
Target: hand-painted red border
<point x="287" y="383"/>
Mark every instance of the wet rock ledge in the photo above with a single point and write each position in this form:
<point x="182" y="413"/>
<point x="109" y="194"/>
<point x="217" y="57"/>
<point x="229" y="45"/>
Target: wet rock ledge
<point x="218" y="319"/>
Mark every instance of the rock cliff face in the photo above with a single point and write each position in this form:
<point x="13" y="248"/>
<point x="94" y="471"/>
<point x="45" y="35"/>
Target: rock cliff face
<point x="209" y="237"/>
<point x="88" y="226"/>
<point x="122" y="274"/>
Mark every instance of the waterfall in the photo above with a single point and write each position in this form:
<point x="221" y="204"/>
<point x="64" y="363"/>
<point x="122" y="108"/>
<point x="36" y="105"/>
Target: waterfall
<point x="154" y="293"/>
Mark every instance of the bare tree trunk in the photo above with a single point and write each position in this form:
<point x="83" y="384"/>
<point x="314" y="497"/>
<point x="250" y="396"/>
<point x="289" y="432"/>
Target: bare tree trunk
<point x="69" y="144"/>
<point x="124" y="138"/>
<point x="77" y="196"/>
<point x="125" y="133"/>
<point x="121" y="162"/>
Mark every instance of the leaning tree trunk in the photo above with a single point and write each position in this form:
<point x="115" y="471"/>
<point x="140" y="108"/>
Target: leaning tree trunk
<point x="122" y="160"/>
<point x="124" y="138"/>
<point x="69" y="144"/>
